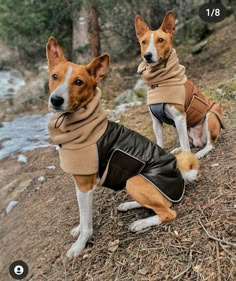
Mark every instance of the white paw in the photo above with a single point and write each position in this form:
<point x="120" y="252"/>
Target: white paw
<point x="144" y="223"/>
<point x="137" y="226"/>
<point x="123" y="207"/>
<point x="75" y="250"/>
<point x="75" y="231"/>
<point x="176" y="150"/>
<point x="200" y="154"/>
<point x="128" y="206"/>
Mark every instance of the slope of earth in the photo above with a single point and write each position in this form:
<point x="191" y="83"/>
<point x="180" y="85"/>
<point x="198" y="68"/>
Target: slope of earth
<point x="198" y="245"/>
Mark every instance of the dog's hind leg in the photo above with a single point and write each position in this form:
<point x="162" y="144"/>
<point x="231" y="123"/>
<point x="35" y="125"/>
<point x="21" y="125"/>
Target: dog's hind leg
<point x="148" y="196"/>
<point x="211" y="131"/>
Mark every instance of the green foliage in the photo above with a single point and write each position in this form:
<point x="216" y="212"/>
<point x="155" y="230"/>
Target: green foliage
<point x="117" y="26"/>
<point x="228" y="90"/>
<point x="27" y="24"/>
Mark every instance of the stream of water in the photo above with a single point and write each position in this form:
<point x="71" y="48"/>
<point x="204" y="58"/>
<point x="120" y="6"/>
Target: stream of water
<point x="10" y="83"/>
<point x="24" y="134"/>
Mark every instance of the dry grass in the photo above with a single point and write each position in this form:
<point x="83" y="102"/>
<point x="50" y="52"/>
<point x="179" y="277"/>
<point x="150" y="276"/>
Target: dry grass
<point x="37" y="230"/>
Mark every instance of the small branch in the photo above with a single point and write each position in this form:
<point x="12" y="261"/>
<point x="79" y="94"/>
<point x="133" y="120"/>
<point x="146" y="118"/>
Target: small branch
<point x="215" y="238"/>
<point x="218" y="262"/>
<point x="187" y="268"/>
<point x="228" y="252"/>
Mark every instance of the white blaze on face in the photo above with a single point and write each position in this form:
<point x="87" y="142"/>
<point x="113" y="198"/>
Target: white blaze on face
<point x="62" y="91"/>
<point x="152" y="49"/>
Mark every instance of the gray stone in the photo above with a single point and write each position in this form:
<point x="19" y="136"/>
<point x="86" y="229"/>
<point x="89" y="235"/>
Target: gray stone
<point x="41" y="178"/>
<point x="199" y="47"/>
<point x="131" y="96"/>
<point x="10" y="206"/>
<point x="51" y="167"/>
<point x="22" y="158"/>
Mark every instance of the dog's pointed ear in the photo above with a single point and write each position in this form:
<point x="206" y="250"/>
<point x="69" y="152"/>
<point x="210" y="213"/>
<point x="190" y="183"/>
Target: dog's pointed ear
<point x="168" y="24"/>
<point x="98" y="67"/>
<point x="54" y="53"/>
<point x="140" y="26"/>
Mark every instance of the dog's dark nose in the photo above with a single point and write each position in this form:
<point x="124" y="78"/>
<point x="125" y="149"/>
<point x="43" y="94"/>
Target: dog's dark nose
<point x="57" y="101"/>
<point x="148" y="57"/>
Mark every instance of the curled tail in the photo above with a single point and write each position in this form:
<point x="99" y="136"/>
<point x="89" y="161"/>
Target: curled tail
<point x="188" y="165"/>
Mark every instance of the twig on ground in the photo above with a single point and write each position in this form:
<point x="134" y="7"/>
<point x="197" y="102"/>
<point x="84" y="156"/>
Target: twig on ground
<point x="228" y="252"/>
<point x="218" y="262"/>
<point x="215" y="238"/>
<point x="187" y="268"/>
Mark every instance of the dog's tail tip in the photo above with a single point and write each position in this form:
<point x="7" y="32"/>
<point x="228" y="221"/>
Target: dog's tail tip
<point x="188" y="165"/>
<point x="189" y="176"/>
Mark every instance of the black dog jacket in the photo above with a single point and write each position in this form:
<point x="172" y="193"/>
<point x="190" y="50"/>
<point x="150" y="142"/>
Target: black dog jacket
<point x="124" y="153"/>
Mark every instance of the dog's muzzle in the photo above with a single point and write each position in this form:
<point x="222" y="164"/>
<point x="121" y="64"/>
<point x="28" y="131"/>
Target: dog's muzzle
<point x="56" y="101"/>
<point x="148" y="57"/>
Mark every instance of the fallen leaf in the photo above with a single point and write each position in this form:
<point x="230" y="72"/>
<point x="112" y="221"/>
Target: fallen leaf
<point x="112" y="246"/>
<point x="143" y="271"/>
<point x="197" y="268"/>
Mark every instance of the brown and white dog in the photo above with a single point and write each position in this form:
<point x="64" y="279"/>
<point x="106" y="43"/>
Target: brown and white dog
<point x="72" y="89"/>
<point x="157" y="51"/>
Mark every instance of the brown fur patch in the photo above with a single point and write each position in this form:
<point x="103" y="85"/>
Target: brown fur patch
<point x="214" y="127"/>
<point x="148" y="196"/>
<point x="187" y="161"/>
<point x="85" y="183"/>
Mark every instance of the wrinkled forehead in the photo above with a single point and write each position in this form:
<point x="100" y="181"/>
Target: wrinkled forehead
<point x="159" y="33"/>
<point x="72" y="70"/>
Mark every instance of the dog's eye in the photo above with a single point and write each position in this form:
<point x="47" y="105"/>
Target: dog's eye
<point x="78" y="82"/>
<point x="144" y="42"/>
<point x="54" y="77"/>
<point x="160" y="40"/>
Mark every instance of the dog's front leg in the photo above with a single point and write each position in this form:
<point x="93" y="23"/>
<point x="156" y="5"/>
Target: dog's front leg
<point x="157" y="128"/>
<point x="180" y="124"/>
<point x="84" y="192"/>
<point x="179" y="118"/>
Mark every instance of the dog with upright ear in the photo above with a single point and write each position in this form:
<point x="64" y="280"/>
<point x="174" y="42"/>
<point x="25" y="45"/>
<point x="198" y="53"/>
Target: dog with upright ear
<point x="171" y="98"/>
<point x="54" y="53"/>
<point x="168" y="24"/>
<point x="140" y="26"/>
<point x="66" y="79"/>
<point x="98" y="67"/>
<point x="93" y="148"/>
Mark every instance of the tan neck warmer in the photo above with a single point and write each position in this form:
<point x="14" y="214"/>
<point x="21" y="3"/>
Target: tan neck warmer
<point x="77" y="134"/>
<point x="165" y="81"/>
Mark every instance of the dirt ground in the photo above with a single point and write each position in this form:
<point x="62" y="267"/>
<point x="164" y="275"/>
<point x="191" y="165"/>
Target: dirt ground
<point x="199" y="245"/>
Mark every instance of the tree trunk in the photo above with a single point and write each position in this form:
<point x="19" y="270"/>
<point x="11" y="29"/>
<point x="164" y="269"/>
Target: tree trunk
<point x="86" y="39"/>
<point x="80" y="40"/>
<point x="93" y="30"/>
